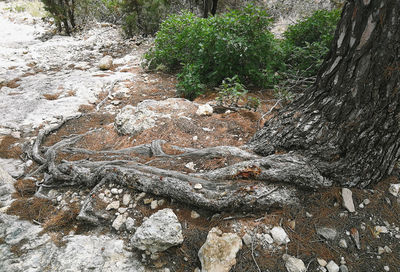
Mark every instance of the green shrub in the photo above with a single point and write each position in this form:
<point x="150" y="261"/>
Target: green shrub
<point x="237" y="43"/>
<point x="307" y="42"/>
<point x="63" y="12"/>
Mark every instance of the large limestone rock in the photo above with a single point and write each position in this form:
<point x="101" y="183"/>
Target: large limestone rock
<point x="159" y="232"/>
<point x="6" y="188"/>
<point x="150" y="113"/>
<point x="97" y="253"/>
<point x="218" y="253"/>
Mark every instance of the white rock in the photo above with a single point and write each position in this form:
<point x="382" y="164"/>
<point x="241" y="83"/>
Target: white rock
<point x="154" y="205"/>
<point x="343" y="243"/>
<point x="130" y="224"/>
<point x="322" y="262"/>
<point x="122" y="210"/>
<point x="114" y="191"/>
<point x="126" y="199"/>
<point x="159" y="232"/>
<point x="366" y="201"/>
<point x="105" y="63"/>
<point x="381" y="229"/>
<point x="327" y="233"/>
<point x="386" y="268"/>
<point x="293" y="264"/>
<point x="381" y="250"/>
<point x="268" y="238"/>
<point x="394" y="189"/>
<point x="190" y="165"/>
<point x="118" y="222"/>
<point x="195" y="138"/>
<point x="247" y="239"/>
<point x="113" y="205"/>
<point x="388" y="249"/>
<point x="218" y="253"/>
<point x="194" y="215"/>
<point x="198" y="186"/>
<point x="205" y="109"/>
<point x="332" y="267"/>
<point x="279" y="235"/>
<point x="348" y="203"/>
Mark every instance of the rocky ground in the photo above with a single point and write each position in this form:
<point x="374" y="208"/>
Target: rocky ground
<point x="116" y="105"/>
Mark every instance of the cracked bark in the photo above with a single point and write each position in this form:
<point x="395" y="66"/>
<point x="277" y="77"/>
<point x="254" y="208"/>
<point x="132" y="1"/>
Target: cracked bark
<point x="348" y="124"/>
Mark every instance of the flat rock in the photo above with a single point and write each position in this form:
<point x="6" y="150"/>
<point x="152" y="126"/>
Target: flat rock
<point x="293" y="264"/>
<point x="218" y="253"/>
<point x="327" y="233"/>
<point x="150" y="113"/>
<point x="113" y="205"/>
<point x="347" y="197"/>
<point x="159" y="232"/>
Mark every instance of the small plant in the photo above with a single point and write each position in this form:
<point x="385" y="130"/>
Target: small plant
<point x="233" y="95"/>
<point x="189" y="84"/>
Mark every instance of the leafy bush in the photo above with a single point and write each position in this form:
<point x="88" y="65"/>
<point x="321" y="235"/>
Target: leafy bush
<point x="206" y="51"/>
<point x="307" y="42"/>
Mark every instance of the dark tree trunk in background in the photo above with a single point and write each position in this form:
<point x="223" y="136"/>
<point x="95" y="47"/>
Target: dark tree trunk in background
<point x="210" y="5"/>
<point x="348" y="124"/>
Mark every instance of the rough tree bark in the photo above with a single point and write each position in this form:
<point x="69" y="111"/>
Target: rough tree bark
<point x="348" y="124"/>
<point x="210" y="6"/>
<point x="344" y="131"/>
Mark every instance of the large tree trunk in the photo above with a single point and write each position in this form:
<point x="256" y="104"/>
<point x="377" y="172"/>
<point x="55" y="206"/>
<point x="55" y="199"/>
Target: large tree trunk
<point x="348" y="124"/>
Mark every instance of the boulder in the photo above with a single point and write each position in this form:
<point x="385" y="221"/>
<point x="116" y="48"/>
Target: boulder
<point x="159" y="232"/>
<point x="218" y="253"/>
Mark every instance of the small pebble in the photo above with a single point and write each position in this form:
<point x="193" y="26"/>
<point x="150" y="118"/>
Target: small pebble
<point x="194" y="215"/>
<point x="154" y="205"/>
<point x="198" y="186"/>
<point x="386" y="268"/>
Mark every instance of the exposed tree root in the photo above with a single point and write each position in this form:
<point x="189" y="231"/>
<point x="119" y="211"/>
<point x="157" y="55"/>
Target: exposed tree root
<point x="254" y="183"/>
